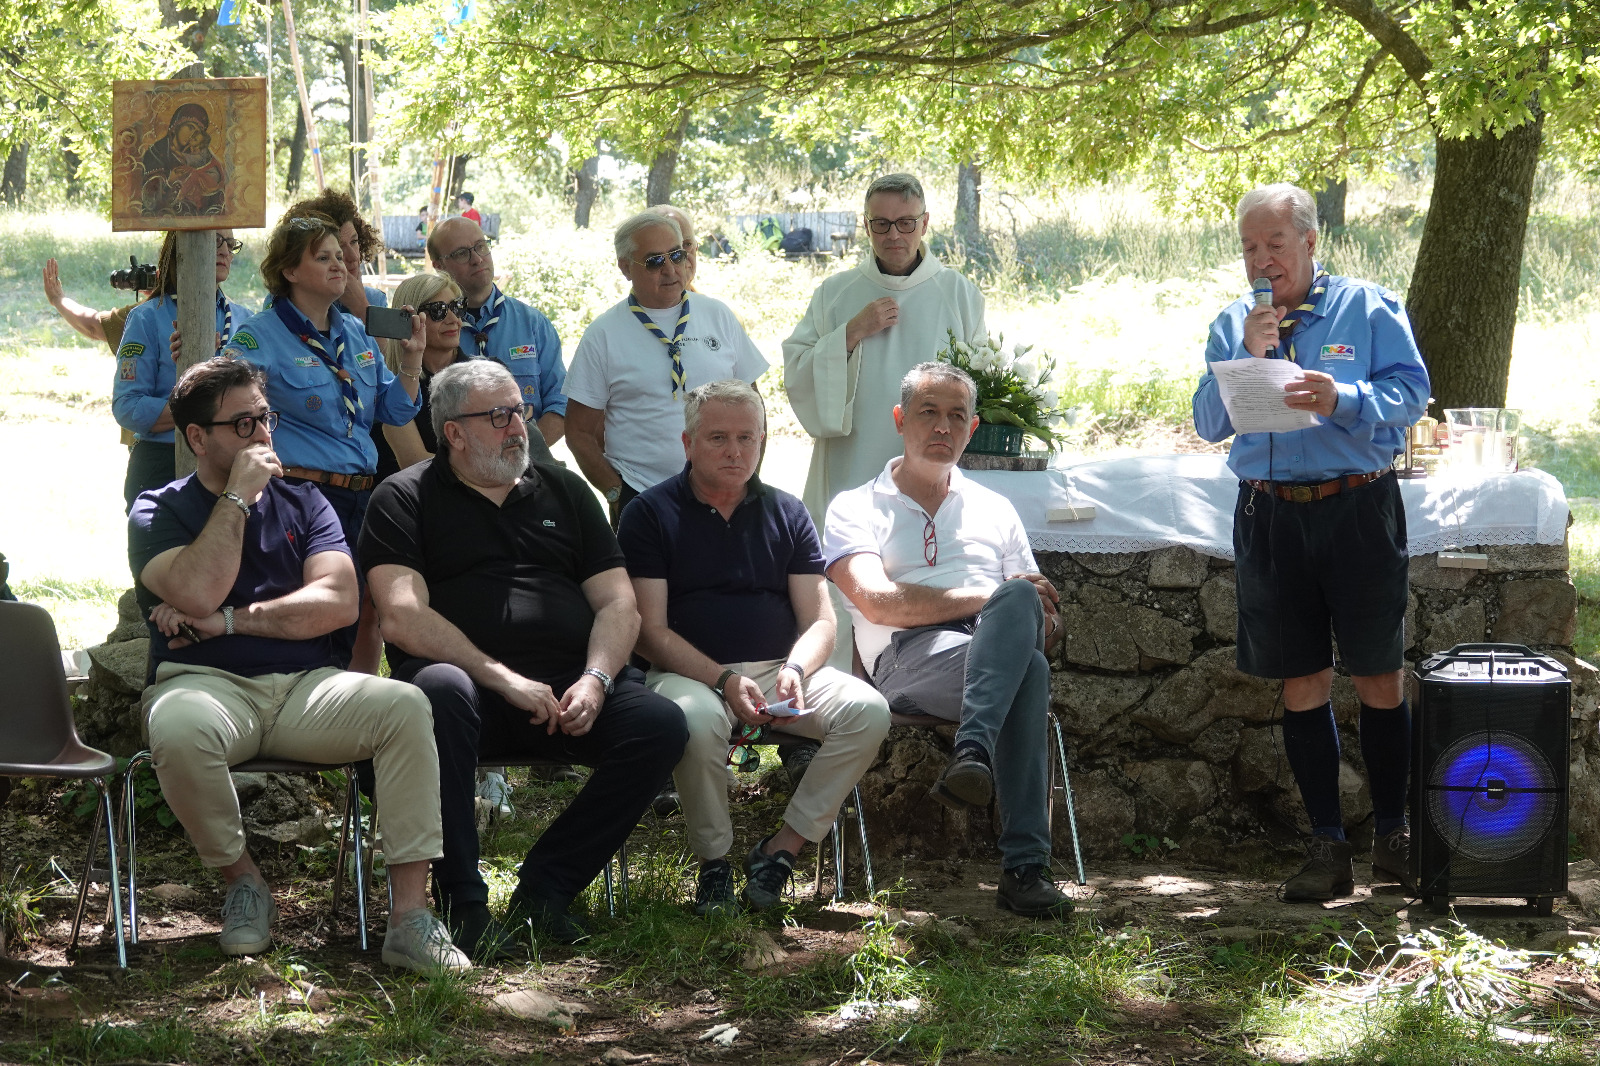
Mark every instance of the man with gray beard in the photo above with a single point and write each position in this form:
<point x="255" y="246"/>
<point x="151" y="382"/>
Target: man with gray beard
<point x="503" y="596"/>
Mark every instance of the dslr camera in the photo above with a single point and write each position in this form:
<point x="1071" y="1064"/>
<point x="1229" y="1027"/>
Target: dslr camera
<point x="137" y="276"/>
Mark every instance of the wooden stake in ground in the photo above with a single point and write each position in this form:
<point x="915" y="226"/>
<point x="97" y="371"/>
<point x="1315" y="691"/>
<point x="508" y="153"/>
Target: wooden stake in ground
<point x="305" y="98"/>
<point x="197" y="315"/>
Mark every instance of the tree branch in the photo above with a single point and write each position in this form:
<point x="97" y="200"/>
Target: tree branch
<point x="1384" y="29"/>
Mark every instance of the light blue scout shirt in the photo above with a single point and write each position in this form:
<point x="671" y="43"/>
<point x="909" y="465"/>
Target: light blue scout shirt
<point x="525" y="342"/>
<point x="145" y="370"/>
<point x="302" y="388"/>
<point x="1358" y="333"/>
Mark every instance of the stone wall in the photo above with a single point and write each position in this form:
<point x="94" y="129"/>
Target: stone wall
<point x="1166" y="738"/>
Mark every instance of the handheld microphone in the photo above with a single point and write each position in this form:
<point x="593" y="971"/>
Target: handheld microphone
<point x="1263" y="291"/>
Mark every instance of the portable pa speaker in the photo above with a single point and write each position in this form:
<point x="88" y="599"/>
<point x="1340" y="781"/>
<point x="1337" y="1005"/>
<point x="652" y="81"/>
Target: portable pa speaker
<point x="1489" y="776"/>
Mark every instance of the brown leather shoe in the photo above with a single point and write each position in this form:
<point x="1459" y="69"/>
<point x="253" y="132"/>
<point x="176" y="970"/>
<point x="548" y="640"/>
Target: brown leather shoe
<point x="1329" y="872"/>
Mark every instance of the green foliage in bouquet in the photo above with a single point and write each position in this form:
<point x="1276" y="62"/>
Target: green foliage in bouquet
<point x="1014" y="388"/>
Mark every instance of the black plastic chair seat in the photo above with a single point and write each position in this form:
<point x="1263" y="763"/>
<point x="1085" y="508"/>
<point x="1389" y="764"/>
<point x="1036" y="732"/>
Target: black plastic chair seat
<point x="80" y="762"/>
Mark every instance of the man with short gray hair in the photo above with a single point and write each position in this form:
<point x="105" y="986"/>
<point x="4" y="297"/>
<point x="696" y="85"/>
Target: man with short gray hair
<point x="639" y="359"/>
<point x="502" y="596"/>
<point x="737" y="625"/>
<point x="863" y="330"/>
<point x="1319" y="530"/>
<point x="953" y="619"/>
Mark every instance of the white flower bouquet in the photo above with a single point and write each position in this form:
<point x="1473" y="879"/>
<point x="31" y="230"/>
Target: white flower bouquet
<point x="1014" y="387"/>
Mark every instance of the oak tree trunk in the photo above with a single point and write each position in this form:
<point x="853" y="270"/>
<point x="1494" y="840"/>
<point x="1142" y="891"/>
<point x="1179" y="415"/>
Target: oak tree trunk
<point x="658" y="186"/>
<point x="587" y="179"/>
<point x="455" y="181"/>
<point x="969" y="206"/>
<point x="14" y="179"/>
<point x="1468" y="274"/>
<point x="1330" y="205"/>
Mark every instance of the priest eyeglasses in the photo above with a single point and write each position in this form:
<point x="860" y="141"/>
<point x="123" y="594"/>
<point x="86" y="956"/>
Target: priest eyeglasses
<point x="904" y="225"/>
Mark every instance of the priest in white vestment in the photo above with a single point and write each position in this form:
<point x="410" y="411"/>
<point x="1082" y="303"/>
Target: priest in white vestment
<point x="863" y="331"/>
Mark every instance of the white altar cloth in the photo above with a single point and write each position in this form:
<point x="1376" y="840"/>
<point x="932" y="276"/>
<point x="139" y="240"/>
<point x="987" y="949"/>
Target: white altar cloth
<point x="1156" y="501"/>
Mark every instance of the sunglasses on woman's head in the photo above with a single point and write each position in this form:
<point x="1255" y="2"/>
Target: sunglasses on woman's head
<point x="437" y="309"/>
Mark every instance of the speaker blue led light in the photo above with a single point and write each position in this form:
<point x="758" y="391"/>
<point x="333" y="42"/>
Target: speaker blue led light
<point x="1492" y="796"/>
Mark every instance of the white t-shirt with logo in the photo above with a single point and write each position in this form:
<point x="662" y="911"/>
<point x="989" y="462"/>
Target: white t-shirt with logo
<point x="623" y="369"/>
<point x="976" y="540"/>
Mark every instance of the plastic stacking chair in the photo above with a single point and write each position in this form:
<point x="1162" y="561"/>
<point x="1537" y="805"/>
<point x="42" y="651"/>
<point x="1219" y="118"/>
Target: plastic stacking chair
<point x="42" y="740"/>
<point x="352" y="812"/>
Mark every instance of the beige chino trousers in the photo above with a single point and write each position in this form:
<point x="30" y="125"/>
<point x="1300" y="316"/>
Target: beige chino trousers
<point x="202" y="720"/>
<point x="848" y="717"/>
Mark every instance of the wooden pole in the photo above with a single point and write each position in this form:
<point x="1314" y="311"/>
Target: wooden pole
<point x="436" y="197"/>
<point x="197" y="315"/>
<point x="374" y="178"/>
<point x="272" y="137"/>
<point x="305" y="97"/>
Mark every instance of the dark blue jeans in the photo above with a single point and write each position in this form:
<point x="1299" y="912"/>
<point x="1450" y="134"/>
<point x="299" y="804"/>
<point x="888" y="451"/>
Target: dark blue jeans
<point x="636" y="740"/>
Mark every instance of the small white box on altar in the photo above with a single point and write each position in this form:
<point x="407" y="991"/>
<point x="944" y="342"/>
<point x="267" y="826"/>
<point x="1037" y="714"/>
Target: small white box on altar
<point x="1463" y="560"/>
<point x="1069" y="514"/>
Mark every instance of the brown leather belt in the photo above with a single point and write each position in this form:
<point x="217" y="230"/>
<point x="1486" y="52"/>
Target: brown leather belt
<point x="353" y="482"/>
<point x="1308" y="493"/>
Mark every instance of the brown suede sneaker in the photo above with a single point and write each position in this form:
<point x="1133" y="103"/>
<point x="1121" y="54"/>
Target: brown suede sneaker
<point x="1329" y="872"/>
<point x="1391" y="859"/>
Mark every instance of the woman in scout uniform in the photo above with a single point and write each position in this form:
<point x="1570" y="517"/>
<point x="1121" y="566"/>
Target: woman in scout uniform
<point x="146" y="371"/>
<point x="327" y="381"/>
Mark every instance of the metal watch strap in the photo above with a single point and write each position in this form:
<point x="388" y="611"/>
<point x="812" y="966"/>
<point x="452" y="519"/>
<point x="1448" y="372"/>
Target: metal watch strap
<point x="605" y="678"/>
<point x="237" y="499"/>
<point x="227" y="621"/>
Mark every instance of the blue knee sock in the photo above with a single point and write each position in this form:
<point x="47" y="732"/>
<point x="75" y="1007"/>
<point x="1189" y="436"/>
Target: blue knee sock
<point x="1311" y="742"/>
<point x="1386" y="747"/>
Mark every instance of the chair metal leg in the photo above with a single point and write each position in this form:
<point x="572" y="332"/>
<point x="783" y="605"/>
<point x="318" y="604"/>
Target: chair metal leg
<point x="104" y="818"/>
<point x="128" y="814"/>
<point x="838" y="860"/>
<point x="116" y="875"/>
<point x="354" y="800"/>
<point x="344" y="847"/>
<point x="1066" y="792"/>
<point x="866" y="851"/>
<point x="622" y="867"/>
<point x="611" y="899"/>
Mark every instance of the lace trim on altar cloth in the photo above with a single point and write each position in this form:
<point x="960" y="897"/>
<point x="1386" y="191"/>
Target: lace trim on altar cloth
<point x="1424" y="544"/>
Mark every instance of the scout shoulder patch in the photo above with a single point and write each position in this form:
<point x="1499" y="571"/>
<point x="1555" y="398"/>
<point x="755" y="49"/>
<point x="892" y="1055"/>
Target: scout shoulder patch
<point x="522" y="351"/>
<point x="127" y="369"/>
<point x="245" y="340"/>
<point x="1339" y="351"/>
<point x="130" y="350"/>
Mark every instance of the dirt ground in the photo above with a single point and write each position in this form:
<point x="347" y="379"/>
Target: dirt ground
<point x="176" y="971"/>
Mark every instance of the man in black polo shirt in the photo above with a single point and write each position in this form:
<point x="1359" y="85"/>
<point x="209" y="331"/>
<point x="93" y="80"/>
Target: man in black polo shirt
<point x="502" y="595"/>
<point x="736" y="622"/>
<point x="244" y="577"/>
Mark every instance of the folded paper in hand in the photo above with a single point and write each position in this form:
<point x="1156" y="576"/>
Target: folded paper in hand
<point x="1252" y="391"/>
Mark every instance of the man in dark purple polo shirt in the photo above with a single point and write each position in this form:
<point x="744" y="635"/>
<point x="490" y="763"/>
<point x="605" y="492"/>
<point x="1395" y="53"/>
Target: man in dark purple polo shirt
<point x="243" y="577"/>
<point x="736" y="623"/>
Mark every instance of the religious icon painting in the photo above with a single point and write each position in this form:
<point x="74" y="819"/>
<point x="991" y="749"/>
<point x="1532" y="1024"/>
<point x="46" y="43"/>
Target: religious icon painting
<point x="190" y="153"/>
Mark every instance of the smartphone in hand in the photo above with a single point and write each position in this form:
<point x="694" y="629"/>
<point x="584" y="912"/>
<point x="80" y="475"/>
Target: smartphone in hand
<point x="389" y="322"/>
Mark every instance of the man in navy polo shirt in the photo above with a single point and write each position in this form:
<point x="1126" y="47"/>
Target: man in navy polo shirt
<point x="496" y="326"/>
<point x="243" y="577"/>
<point x="736" y="622"/>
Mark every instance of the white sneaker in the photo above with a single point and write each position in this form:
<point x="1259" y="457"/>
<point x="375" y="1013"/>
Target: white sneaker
<point x="247" y="916"/>
<point x="417" y="940"/>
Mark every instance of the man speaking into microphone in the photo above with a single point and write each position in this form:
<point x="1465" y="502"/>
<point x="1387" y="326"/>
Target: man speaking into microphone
<point x="1319" y="530"/>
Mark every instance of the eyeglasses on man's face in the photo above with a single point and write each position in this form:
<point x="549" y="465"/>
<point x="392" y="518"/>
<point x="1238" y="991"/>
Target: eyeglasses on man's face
<point x="232" y="244"/>
<point x="245" y="425"/>
<point x="904" y="225"/>
<point x="465" y="255"/>
<point x="437" y="309"/>
<point x="500" y="417"/>
<point x="655" y="262"/>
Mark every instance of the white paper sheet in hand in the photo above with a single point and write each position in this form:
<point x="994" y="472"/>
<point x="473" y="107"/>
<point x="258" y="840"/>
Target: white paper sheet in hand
<point x="1252" y="391"/>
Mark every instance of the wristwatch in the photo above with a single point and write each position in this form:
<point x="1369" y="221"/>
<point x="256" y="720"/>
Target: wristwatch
<point x="605" y="678"/>
<point x="227" y="621"/>
<point x="796" y="667"/>
<point x="613" y="494"/>
<point x="721" y="687"/>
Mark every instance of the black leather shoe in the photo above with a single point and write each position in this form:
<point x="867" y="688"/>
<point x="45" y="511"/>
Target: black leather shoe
<point x="967" y="782"/>
<point x="1029" y="892"/>
<point x="531" y="917"/>
<point x="1329" y="872"/>
<point x="474" y="930"/>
